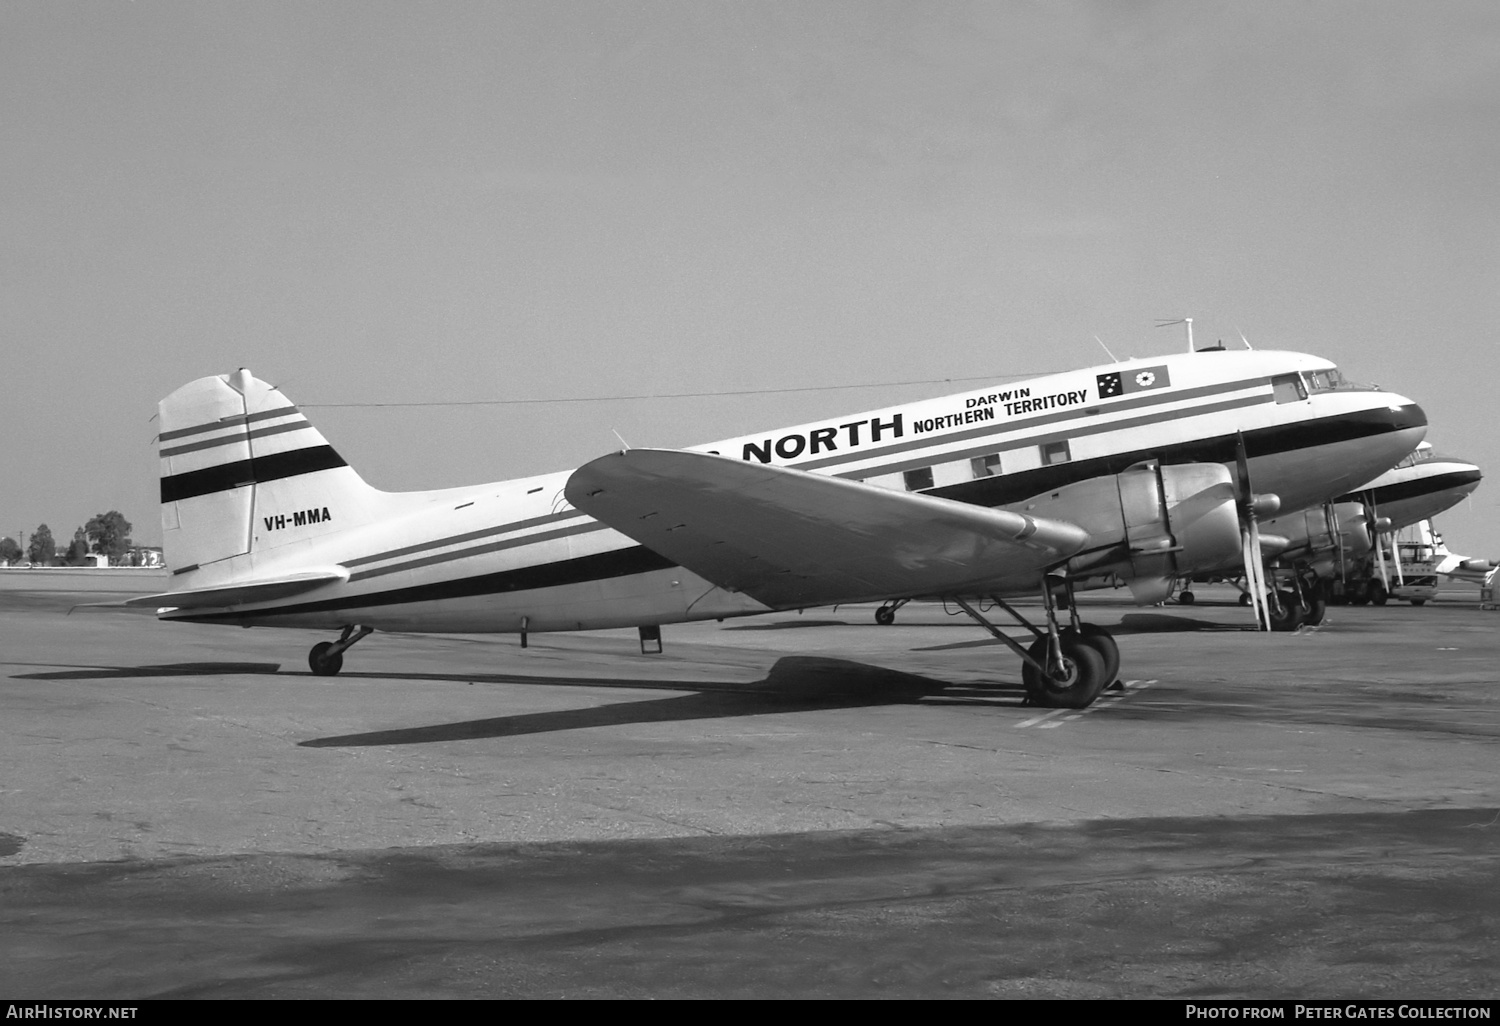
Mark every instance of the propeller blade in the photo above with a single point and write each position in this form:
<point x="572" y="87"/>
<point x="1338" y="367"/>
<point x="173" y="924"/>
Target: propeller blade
<point x="1255" y="579"/>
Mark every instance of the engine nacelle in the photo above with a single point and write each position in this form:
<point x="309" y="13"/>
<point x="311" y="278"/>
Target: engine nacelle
<point x="1317" y="536"/>
<point x="1150" y="524"/>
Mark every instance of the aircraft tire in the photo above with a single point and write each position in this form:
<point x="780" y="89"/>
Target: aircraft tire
<point x="1103" y="642"/>
<point x="1419" y="602"/>
<point x="1084" y="680"/>
<point x="885" y="616"/>
<point x="1187" y="598"/>
<point x="1378" y="595"/>
<point x="1316" y="610"/>
<point x="322" y="663"/>
<point x="1291" y="614"/>
<point x="1244" y="598"/>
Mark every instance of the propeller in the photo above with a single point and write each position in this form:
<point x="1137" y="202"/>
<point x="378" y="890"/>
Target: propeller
<point x="1379" y="526"/>
<point x="1336" y="535"/>
<point x="1255" y="574"/>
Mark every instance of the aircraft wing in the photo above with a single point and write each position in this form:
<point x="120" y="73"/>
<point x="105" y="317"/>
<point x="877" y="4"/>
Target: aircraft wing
<point x="788" y="538"/>
<point x="240" y="592"/>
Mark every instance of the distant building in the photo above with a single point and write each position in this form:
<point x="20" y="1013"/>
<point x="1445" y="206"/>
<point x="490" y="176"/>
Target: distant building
<point x="144" y="555"/>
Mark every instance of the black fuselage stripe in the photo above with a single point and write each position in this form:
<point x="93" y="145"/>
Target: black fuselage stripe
<point x="488" y="532"/>
<point x="1418" y="487"/>
<point x="213" y="443"/>
<point x="1109" y="407"/>
<point x="995" y="445"/>
<point x="257" y="470"/>
<point x="636" y="559"/>
<point x="1009" y="488"/>
<point x="478" y="550"/>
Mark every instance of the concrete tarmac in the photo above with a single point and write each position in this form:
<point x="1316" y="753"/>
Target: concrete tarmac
<point x="787" y="805"/>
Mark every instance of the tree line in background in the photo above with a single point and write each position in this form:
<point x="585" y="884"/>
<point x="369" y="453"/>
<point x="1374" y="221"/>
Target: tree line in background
<point x="106" y="534"/>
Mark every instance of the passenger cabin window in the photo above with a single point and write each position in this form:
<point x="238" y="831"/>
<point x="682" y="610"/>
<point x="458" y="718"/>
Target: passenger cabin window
<point x="1056" y="452"/>
<point x="916" y="480"/>
<point x="985" y="466"/>
<point x="1288" y="388"/>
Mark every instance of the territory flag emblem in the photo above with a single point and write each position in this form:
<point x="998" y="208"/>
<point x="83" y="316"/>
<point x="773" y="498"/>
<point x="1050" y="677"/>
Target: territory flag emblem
<point x="1129" y="382"/>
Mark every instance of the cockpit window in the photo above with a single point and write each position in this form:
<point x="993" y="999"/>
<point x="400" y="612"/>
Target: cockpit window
<point x="1332" y="381"/>
<point x="1325" y="381"/>
<point x="1419" y="456"/>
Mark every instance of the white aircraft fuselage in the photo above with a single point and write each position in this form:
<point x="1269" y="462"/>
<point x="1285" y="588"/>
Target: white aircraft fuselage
<point x="260" y="495"/>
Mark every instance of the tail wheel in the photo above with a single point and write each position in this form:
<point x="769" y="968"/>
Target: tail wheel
<point x="324" y="662"/>
<point x="1080" y="681"/>
<point x="885" y="616"/>
<point x="1244" y="598"/>
<point x="1187" y="598"/>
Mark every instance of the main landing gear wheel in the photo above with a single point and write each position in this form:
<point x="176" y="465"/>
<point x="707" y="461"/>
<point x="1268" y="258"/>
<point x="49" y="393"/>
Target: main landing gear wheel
<point x="1078" y="681"/>
<point x="1378" y="594"/>
<point x="1288" y="613"/>
<point x="885" y="616"/>
<point x="1103" y="642"/>
<point x="324" y="661"/>
<point x="1317" y="606"/>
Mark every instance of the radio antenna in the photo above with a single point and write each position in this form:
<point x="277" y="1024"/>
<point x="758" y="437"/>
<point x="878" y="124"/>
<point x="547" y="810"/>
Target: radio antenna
<point x="1112" y="357"/>
<point x="1180" y="320"/>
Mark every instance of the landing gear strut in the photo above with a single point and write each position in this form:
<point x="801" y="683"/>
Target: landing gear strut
<point x="327" y="657"/>
<point x="1063" y="668"/>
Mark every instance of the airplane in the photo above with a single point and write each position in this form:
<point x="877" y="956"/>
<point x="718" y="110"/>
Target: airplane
<point x="1415" y="490"/>
<point x="1133" y="472"/>
<point x="1469" y="569"/>
<point x="1419" y="487"/>
<point x="1320" y="554"/>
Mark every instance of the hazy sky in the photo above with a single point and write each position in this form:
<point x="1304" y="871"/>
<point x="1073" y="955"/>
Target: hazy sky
<point x="414" y="202"/>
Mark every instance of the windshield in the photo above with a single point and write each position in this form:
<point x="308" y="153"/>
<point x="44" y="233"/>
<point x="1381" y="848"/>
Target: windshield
<point x="1332" y="381"/>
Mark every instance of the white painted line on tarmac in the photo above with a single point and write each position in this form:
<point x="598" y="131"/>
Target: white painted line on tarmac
<point x="1038" y="719"/>
<point x="1048" y="721"/>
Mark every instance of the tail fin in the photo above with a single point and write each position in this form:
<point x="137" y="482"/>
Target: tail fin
<point x="242" y="471"/>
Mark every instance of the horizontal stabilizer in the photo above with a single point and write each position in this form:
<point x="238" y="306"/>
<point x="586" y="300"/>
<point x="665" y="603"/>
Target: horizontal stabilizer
<point x="789" y="538"/>
<point x="243" y="592"/>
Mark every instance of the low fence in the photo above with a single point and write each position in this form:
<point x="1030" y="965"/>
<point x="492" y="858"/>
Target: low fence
<point x="122" y="580"/>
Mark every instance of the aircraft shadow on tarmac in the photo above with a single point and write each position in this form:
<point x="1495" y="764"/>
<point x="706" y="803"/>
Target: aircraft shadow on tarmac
<point x="156" y="670"/>
<point x="783" y="625"/>
<point x="1168" y="623"/>
<point x="793" y="684"/>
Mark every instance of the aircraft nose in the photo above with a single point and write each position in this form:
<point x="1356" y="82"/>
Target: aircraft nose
<point x="1405" y="414"/>
<point x="1467" y="479"/>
